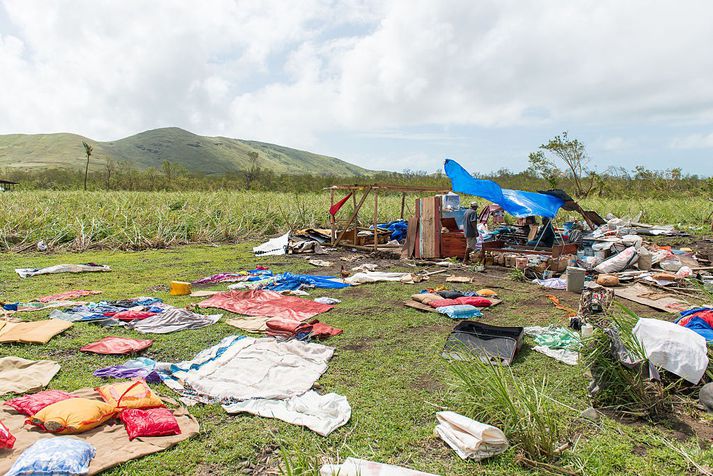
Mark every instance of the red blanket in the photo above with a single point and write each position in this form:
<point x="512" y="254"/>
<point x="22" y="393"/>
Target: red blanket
<point x="266" y="304"/>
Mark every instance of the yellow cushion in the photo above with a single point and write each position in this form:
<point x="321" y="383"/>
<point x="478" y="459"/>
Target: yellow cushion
<point x="74" y="415"/>
<point x="133" y="394"/>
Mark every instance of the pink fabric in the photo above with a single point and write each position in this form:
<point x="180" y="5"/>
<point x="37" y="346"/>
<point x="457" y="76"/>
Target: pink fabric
<point x="68" y="295"/>
<point x="31" y="404"/>
<point x="442" y="302"/>
<point x="263" y="303"/>
<point x="474" y="301"/>
<point x="132" y="315"/>
<point x="117" y="345"/>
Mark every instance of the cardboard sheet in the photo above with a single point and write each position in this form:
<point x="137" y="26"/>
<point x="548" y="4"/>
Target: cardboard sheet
<point x="110" y="439"/>
<point x="652" y="297"/>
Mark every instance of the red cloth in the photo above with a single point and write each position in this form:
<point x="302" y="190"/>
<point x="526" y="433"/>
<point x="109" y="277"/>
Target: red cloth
<point x="706" y="315"/>
<point x="266" y="304"/>
<point x="117" y="345"/>
<point x="286" y="328"/>
<point x="133" y="315"/>
<point x="67" y="295"/>
<point x="7" y="441"/>
<point x="31" y="404"/>
<point x="322" y="330"/>
<point x="443" y="302"/>
<point x="335" y="208"/>
<point x="149" y="422"/>
<point x="475" y="301"/>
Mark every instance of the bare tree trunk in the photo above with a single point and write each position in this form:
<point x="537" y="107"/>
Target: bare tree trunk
<point x="86" y="171"/>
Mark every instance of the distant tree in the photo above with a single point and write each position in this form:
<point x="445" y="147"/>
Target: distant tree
<point x="574" y="156"/>
<point x="87" y="150"/>
<point x="109" y="170"/>
<point x="541" y="166"/>
<point x="168" y="170"/>
<point x="252" y="173"/>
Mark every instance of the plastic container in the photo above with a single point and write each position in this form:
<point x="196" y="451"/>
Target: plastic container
<point x="575" y="279"/>
<point x="587" y="330"/>
<point x="645" y="260"/>
<point x="180" y="288"/>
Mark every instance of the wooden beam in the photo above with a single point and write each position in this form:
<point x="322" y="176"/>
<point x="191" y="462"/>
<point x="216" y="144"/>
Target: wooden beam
<point x="403" y="204"/>
<point x="354" y="215"/>
<point x="332" y="219"/>
<point x="376" y="219"/>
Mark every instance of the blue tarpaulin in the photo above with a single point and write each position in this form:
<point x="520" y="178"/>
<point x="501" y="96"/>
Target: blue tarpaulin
<point x="517" y="203"/>
<point x="290" y="282"/>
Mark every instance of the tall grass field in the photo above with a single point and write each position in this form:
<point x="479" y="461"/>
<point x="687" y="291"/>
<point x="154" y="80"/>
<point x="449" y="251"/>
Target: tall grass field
<point x="79" y="221"/>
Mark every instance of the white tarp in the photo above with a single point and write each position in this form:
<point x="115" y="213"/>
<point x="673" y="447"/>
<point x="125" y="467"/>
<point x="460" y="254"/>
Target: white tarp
<point x="320" y="413"/>
<point x="470" y="438"/>
<point x="62" y="268"/>
<point x="275" y="246"/>
<point x="376" y="276"/>
<point x="360" y="467"/>
<point x="569" y="357"/>
<point x="674" y="348"/>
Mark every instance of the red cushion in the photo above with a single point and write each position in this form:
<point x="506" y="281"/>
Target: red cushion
<point x="132" y="315"/>
<point x="31" y="404"/>
<point x="476" y="301"/>
<point x="442" y="302"/>
<point x="149" y="422"/>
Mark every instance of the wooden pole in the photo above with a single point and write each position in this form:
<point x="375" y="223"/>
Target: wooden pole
<point x="403" y="204"/>
<point x="376" y="219"/>
<point x="354" y="205"/>
<point x="331" y="217"/>
<point x="354" y="215"/>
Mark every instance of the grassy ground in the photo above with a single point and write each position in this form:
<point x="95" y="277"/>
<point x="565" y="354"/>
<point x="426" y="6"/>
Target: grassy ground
<point x="387" y="363"/>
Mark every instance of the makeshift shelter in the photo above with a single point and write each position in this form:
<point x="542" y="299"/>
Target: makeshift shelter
<point x="347" y="232"/>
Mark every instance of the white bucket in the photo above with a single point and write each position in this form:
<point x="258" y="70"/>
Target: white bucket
<point x="575" y="279"/>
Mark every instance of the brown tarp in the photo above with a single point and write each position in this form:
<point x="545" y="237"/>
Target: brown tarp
<point x="652" y="297"/>
<point x="18" y="375"/>
<point x="110" y="439"/>
<point x="36" y="332"/>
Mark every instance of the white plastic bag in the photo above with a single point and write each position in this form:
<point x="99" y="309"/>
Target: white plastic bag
<point x="619" y="262"/>
<point x="469" y="438"/>
<point x="674" y="348"/>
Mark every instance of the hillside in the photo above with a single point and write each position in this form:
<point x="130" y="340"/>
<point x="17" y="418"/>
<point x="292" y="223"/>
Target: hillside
<point x="201" y="154"/>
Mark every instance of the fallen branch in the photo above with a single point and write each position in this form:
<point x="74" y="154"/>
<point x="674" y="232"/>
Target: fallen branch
<point x="522" y="460"/>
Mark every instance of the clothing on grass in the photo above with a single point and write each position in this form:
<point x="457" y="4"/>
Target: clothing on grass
<point x="18" y="375"/>
<point x="265" y="303"/>
<point x="62" y="268"/>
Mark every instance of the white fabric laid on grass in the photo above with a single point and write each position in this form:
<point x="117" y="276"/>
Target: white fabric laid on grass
<point x="274" y="246"/>
<point x="470" y="438"/>
<point x="172" y="320"/>
<point x="376" y="276"/>
<point x="360" y="467"/>
<point x="565" y="356"/>
<point x="62" y="268"/>
<point x="674" y="348"/>
<point x="320" y="413"/>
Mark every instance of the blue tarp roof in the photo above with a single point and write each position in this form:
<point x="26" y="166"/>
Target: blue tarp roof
<point x="517" y="203"/>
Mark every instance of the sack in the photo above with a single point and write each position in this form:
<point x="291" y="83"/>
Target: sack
<point x="470" y="438"/>
<point x="133" y="394"/>
<point x="54" y="456"/>
<point x="31" y="404"/>
<point x="74" y="415"/>
<point x="151" y="422"/>
<point x="608" y="280"/>
<point x="425" y="298"/>
<point x="618" y="262"/>
<point x="117" y="345"/>
<point x="475" y="301"/>
<point x="461" y="311"/>
<point x="486" y="293"/>
<point x="436" y="303"/>
<point x="6" y="439"/>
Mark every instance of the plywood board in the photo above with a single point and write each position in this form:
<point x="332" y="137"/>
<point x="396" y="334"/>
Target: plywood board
<point x="648" y="296"/>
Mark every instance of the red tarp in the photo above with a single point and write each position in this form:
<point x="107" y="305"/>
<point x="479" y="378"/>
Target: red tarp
<point x="265" y="304"/>
<point x="68" y="295"/>
<point x="117" y="345"/>
<point x="133" y="315"/>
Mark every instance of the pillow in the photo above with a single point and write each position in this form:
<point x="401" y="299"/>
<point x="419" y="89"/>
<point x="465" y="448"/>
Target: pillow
<point x="475" y="301"/>
<point x="461" y="311"/>
<point x="31" y="404"/>
<point x="132" y="315"/>
<point x="486" y="293"/>
<point x="150" y="422"/>
<point x="61" y="455"/>
<point x="74" y="415"/>
<point x="133" y="394"/>
<point x="6" y="439"/>
<point x="117" y="345"/>
<point x="442" y="302"/>
<point x="425" y="297"/>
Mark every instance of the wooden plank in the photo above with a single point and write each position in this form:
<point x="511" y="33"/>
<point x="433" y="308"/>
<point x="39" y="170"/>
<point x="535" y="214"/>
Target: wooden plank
<point x="437" y="226"/>
<point x="376" y="218"/>
<point x="407" y="251"/>
<point x="351" y="218"/>
<point x="417" y="237"/>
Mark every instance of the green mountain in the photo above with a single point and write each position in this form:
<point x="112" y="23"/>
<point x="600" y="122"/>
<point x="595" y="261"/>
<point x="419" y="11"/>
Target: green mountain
<point x="201" y="154"/>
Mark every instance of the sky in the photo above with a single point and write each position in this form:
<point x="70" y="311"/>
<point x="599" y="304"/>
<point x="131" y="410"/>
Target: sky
<point x="388" y="85"/>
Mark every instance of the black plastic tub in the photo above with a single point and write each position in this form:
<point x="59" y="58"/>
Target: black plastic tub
<point x="489" y="343"/>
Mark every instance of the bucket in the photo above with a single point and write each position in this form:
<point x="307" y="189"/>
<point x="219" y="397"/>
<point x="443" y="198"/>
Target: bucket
<point x="180" y="288"/>
<point x="575" y="279"/>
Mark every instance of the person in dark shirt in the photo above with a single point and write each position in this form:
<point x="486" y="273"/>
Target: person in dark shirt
<point x="470" y="230"/>
<point x="545" y="238"/>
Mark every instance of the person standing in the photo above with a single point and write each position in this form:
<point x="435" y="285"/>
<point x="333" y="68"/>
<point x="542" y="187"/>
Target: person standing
<point x="470" y="230"/>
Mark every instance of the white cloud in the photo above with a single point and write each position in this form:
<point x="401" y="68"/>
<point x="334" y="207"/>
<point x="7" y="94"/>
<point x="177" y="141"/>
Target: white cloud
<point x="291" y="72"/>
<point x="693" y="141"/>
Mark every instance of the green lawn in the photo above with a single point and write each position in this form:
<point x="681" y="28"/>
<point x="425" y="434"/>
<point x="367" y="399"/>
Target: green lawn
<point x="387" y="363"/>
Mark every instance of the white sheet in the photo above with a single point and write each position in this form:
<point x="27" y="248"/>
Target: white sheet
<point x="360" y="467"/>
<point x="470" y="438"/>
<point x="273" y="247"/>
<point x="320" y="413"/>
<point x="376" y="276"/>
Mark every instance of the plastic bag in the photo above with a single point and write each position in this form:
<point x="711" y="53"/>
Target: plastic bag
<point x="461" y="311"/>
<point x="618" y="262"/>
<point x="476" y="301"/>
<point x="31" y="404"/>
<point x="436" y="303"/>
<point x="133" y="394"/>
<point x="55" y="456"/>
<point x="6" y="439"/>
<point x="149" y="422"/>
<point x="74" y="415"/>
